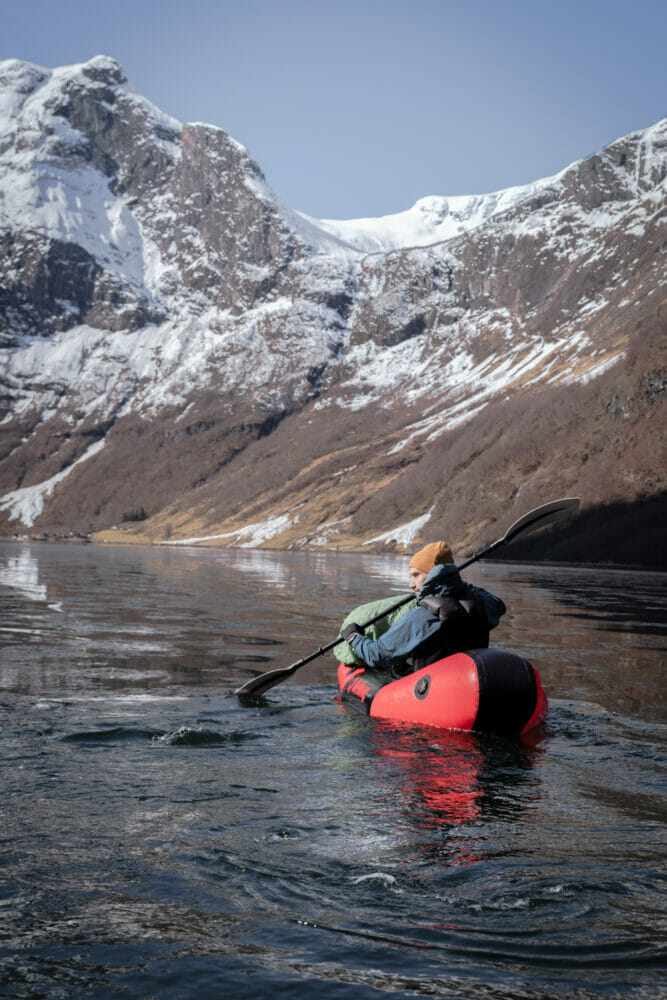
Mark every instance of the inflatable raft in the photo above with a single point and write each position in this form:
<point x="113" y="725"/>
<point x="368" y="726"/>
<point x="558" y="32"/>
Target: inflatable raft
<point x="488" y="690"/>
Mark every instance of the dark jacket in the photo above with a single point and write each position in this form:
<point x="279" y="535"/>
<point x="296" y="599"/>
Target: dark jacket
<point x="420" y="636"/>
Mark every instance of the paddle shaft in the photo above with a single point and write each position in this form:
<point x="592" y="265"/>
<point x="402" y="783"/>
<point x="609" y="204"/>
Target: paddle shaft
<point x="334" y="642"/>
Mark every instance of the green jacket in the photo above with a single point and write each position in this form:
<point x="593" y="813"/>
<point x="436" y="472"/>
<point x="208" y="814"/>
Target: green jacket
<point x="343" y="651"/>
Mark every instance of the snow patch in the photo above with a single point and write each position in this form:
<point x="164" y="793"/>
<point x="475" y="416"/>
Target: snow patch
<point x="251" y="536"/>
<point x="27" y="503"/>
<point x="405" y="534"/>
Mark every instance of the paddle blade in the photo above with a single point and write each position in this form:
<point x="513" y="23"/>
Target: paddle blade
<point x="541" y="516"/>
<point x="258" y="685"/>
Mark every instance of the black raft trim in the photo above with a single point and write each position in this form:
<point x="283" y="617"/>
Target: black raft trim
<point x="365" y="680"/>
<point x="507" y="691"/>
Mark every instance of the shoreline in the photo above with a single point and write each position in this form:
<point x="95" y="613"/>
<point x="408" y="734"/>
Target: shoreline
<point x="139" y="541"/>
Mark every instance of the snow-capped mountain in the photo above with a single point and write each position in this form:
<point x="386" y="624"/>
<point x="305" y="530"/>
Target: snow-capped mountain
<point x="430" y="220"/>
<point x="177" y="340"/>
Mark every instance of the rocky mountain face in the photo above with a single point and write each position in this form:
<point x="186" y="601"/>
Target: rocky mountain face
<point x="185" y="359"/>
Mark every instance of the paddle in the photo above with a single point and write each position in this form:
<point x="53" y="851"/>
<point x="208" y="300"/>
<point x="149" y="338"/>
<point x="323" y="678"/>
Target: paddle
<point x="538" y="518"/>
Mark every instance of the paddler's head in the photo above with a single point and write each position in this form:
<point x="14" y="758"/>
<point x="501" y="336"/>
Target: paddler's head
<point x="422" y="562"/>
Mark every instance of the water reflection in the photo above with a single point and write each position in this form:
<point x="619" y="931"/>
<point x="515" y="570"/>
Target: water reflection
<point x="21" y="573"/>
<point x="290" y="570"/>
<point x="438" y="780"/>
<point x="259" y="563"/>
<point x="596" y="635"/>
<point x="442" y="780"/>
<point x="214" y="617"/>
<point x="614" y="599"/>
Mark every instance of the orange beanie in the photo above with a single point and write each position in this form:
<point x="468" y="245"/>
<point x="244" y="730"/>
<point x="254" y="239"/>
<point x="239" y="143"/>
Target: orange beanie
<point x="435" y="554"/>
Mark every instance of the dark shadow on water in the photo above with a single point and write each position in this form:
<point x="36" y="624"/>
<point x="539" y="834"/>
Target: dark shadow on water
<point x="611" y="599"/>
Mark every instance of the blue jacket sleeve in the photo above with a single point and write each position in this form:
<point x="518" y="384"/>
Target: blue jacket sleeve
<point x="494" y="607"/>
<point x="397" y="642"/>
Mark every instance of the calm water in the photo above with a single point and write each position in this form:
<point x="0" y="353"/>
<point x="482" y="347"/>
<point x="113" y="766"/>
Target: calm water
<point x="160" y="840"/>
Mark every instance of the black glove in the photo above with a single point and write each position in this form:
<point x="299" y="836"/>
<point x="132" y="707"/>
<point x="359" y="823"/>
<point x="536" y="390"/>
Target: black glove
<point x="350" y="630"/>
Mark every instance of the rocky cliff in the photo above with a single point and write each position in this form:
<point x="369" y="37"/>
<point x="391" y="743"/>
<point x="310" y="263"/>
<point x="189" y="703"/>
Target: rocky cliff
<point x="179" y="346"/>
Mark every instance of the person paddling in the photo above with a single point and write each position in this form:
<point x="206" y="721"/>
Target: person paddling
<point x="450" y="616"/>
<point x="541" y="516"/>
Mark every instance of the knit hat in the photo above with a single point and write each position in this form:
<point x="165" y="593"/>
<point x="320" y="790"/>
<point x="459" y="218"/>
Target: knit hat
<point x="435" y="554"/>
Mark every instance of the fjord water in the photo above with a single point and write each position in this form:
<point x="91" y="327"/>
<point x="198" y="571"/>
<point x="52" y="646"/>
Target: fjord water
<point x="159" y="839"/>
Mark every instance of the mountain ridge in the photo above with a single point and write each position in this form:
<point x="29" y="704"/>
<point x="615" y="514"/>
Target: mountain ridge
<point x="172" y="317"/>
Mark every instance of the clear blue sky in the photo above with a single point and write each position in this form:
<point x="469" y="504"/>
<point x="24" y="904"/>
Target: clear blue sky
<point x="360" y="107"/>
